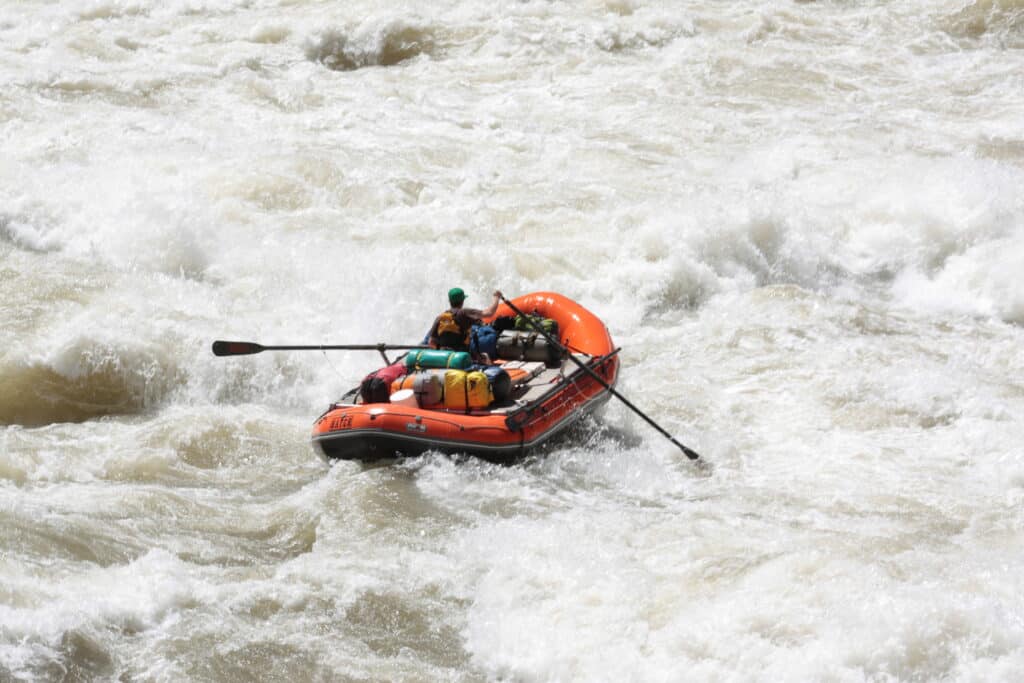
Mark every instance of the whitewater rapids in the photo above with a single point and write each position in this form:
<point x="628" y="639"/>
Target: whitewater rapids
<point x="802" y="221"/>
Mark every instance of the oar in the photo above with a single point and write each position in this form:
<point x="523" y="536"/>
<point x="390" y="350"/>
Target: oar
<point x="241" y="348"/>
<point x="690" y="453"/>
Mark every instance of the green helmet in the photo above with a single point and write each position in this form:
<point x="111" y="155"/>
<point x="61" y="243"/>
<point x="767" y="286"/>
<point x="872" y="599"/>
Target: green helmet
<point x="456" y="296"/>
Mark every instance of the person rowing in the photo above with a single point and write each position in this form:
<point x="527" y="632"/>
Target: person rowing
<point x="453" y="327"/>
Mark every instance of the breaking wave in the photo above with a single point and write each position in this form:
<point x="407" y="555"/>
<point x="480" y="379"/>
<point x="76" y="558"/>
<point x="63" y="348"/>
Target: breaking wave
<point x="83" y="384"/>
<point x="1000" y="21"/>
<point x="111" y="10"/>
<point x="630" y="33"/>
<point x="942" y="236"/>
<point x="24" y="236"/>
<point x="387" y="44"/>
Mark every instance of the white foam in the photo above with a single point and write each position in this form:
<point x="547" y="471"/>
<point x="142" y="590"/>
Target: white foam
<point x="801" y="222"/>
<point x="129" y="598"/>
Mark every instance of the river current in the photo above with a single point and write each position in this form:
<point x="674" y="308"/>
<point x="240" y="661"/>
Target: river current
<point x="803" y="222"/>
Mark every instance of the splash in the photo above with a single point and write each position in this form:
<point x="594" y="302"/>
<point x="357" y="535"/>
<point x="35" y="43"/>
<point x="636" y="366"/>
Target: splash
<point x="994" y="21"/>
<point x="84" y="383"/>
<point x="384" y="44"/>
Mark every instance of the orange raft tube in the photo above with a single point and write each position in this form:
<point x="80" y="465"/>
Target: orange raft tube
<point x="536" y="410"/>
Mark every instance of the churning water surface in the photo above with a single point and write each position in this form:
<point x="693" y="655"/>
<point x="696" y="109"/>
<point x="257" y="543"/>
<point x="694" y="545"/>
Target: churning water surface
<point x="802" y="221"/>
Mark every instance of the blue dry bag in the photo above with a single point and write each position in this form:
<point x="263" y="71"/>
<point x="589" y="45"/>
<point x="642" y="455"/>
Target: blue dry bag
<point x="483" y="339"/>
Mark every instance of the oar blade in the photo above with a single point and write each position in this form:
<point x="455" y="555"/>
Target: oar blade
<point x="235" y="348"/>
<point x="689" y="452"/>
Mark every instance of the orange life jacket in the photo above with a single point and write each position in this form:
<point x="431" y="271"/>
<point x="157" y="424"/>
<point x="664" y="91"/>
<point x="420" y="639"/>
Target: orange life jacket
<point x="451" y="335"/>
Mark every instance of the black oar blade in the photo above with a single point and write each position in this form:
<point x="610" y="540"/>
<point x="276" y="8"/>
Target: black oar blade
<point x="690" y="453"/>
<point x="235" y="348"/>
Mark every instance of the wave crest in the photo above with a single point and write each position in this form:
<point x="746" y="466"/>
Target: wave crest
<point x="25" y="236"/>
<point x="631" y="34"/>
<point x="999" y="20"/>
<point x="384" y="45"/>
<point x="83" y="384"/>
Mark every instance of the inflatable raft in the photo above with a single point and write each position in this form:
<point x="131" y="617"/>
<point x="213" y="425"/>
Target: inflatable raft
<point x="544" y="399"/>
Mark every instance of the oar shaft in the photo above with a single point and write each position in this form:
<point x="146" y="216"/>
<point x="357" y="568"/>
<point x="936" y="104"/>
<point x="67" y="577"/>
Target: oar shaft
<point x="241" y="348"/>
<point x="689" y="452"/>
<point x="344" y="347"/>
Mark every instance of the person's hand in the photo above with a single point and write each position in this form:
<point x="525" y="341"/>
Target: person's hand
<point x="497" y="294"/>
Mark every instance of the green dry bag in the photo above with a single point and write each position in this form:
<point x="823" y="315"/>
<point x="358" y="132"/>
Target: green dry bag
<point x="437" y="359"/>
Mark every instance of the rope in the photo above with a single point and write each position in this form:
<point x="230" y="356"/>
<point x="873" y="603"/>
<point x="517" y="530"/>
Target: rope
<point x="336" y="371"/>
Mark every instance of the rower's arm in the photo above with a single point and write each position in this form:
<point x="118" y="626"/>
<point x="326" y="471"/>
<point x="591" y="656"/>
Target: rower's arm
<point x="493" y="308"/>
